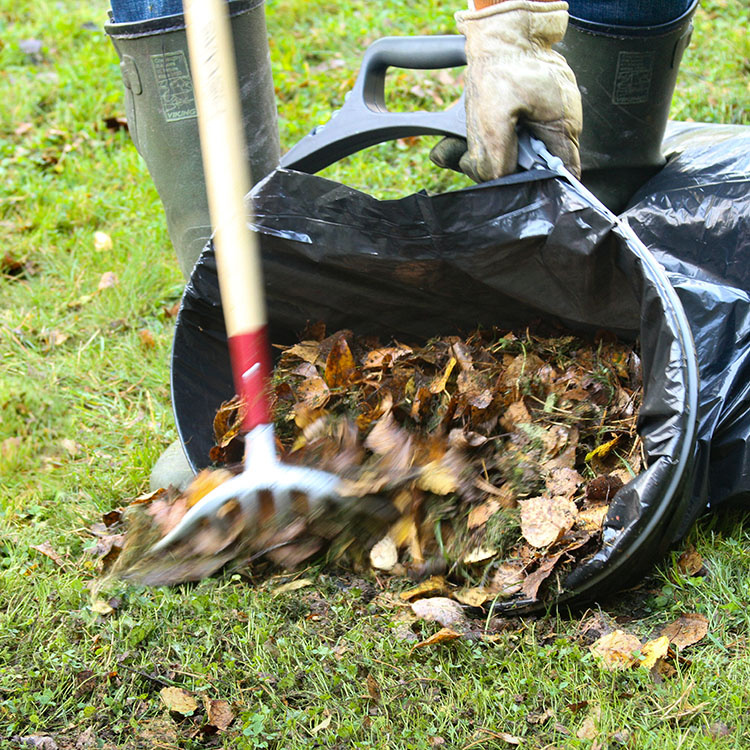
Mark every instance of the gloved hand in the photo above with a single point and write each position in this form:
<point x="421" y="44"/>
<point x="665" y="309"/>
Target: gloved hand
<point x="513" y="76"/>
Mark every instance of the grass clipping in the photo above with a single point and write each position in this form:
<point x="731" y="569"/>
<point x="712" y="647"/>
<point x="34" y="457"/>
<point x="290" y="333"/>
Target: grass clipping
<point x="491" y="459"/>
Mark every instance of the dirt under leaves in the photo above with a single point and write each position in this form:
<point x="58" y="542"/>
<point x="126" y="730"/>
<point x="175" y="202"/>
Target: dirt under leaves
<point x="488" y="461"/>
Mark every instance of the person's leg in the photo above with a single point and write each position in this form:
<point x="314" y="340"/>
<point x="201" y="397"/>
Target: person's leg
<point x="628" y="12"/>
<point x="625" y="55"/>
<point x="127" y="11"/>
<point x="163" y="125"/>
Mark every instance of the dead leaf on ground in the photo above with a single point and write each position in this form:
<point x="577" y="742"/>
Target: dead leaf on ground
<point x="686" y="630"/>
<point x="443" y="635"/>
<point x="147" y="339"/>
<point x="588" y="729"/>
<point x="219" y="714"/>
<point x="545" y="519"/>
<point x="39" y="741"/>
<point x="433" y="585"/>
<point x="340" y="365"/>
<point x="654" y="650"/>
<point x="473" y="597"/>
<point x="563" y="482"/>
<point x="617" y="650"/>
<point x="108" y="279"/>
<point x="478" y="555"/>
<point x="300" y="583"/>
<point x="532" y="582"/>
<point x="102" y="608"/>
<point x="439" y="609"/>
<point x="48" y="550"/>
<point x="373" y="688"/>
<point x="384" y="554"/>
<point x="690" y="562"/>
<point x="178" y="700"/>
<point x="102" y="242"/>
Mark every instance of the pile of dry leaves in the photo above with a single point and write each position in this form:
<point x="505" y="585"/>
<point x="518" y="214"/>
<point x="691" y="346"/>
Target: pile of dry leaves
<point x="489" y="460"/>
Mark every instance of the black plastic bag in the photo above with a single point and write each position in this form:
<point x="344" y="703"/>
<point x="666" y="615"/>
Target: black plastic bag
<point x="694" y="216"/>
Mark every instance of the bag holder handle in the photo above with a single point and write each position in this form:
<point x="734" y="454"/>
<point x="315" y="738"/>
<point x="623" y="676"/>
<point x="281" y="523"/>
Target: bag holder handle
<point x="364" y="119"/>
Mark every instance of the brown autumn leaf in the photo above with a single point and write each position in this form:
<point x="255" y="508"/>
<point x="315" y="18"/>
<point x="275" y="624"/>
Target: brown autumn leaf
<point x="480" y="514"/>
<point x="563" y="482"/>
<point x="690" y="562"/>
<point x="178" y="700"/>
<point x="508" y="579"/>
<point x="475" y="596"/>
<point x="439" y="383"/>
<point x="686" y="630"/>
<point x="616" y="650"/>
<point x="439" y="609"/>
<point x="48" y="550"/>
<point x="308" y="351"/>
<point x="532" y="582"/>
<point x="592" y="519"/>
<point x="385" y="356"/>
<point x="313" y="392"/>
<point x="146" y="338"/>
<point x="545" y="519"/>
<point x="340" y="365"/>
<point x="443" y="635"/>
<point x="515" y="414"/>
<point x="296" y="585"/>
<point x="373" y="688"/>
<point x="219" y="714"/>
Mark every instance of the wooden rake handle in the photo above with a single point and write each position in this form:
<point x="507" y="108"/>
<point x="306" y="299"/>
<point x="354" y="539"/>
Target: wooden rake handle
<point x="228" y="180"/>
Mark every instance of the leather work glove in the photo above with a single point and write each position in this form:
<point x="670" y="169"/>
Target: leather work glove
<point x="514" y="76"/>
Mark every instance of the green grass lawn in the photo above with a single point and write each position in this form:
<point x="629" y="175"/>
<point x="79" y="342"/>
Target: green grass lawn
<point x="85" y="411"/>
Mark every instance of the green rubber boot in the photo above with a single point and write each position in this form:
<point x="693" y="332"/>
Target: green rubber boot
<point x="162" y="118"/>
<point x="627" y="76"/>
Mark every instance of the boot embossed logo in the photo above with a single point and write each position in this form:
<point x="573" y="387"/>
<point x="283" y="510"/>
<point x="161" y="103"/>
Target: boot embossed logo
<point x="633" y="77"/>
<point x="175" y="85"/>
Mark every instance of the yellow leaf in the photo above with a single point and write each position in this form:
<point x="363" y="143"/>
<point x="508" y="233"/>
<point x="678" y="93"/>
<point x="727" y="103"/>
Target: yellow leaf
<point x="443" y="635"/>
<point x="439" y="383"/>
<point x="478" y="554"/>
<point x="437" y="478"/>
<point x="178" y="700"/>
<point x="433" y="585"/>
<point x="654" y="650"/>
<point x="101" y="608"/>
<point x="616" y="650"/>
<point x="545" y="519"/>
<point x="602" y="450"/>
<point x="473" y="597"/>
<point x="102" y="242"/>
<point x="340" y="365"/>
<point x="300" y="583"/>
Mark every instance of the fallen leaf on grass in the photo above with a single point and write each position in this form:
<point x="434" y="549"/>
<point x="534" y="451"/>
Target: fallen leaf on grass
<point x="616" y="650"/>
<point x="433" y="585"/>
<point x="102" y="608"/>
<point x="443" y="635"/>
<point x="108" y="279"/>
<point x="654" y="650"/>
<point x="285" y="588"/>
<point x="690" y="562"/>
<point x="373" y="688"/>
<point x="323" y="725"/>
<point x="545" y="519"/>
<point x="533" y="581"/>
<point x="686" y="630"/>
<point x="384" y="555"/>
<point x="46" y="549"/>
<point x="178" y="700"/>
<point x="102" y="242"/>
<point x="478" y="554"/>
<point x="39" y="741"/>
<point x="219" y="714"/>
<point x="473" y="597"/>
<point x="439" y="609"/>
<point x="147" y="339"/>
